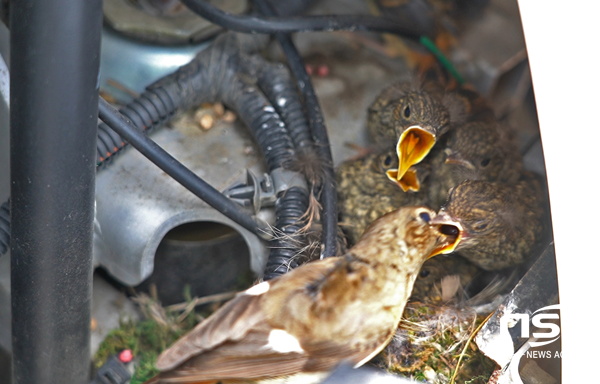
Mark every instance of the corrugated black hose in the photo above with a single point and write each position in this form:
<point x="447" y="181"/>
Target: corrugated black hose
<point x="319" y="133"/>
<point x="276" y="82"/>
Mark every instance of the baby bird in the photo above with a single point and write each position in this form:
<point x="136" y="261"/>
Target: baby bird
<point x="498" y="224"/>
<point x="473" y="151"/>
<point x="365" y="192"/>
<point x="309" y="320"/>
<point x="413" y="118"/>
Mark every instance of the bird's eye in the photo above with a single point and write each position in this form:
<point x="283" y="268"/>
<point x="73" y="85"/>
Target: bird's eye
<point x="424" y="273"/>
<point x="480" y="226"/>
<point x="485" y="162"/>
<point x="407" y="111"/>
<point x="425" y="216"/>
<point x="449" y="230"/>
<point x="387" y="161"/>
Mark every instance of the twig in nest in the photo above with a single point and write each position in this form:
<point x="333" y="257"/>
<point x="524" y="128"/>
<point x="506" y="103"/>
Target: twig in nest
<point x="464" y="351"/>
<point x="152" y="309"/>
<point x="188" y="306"/>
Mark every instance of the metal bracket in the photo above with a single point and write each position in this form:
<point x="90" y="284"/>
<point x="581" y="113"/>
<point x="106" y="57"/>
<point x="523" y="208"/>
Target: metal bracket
<point x="263" y="192"/>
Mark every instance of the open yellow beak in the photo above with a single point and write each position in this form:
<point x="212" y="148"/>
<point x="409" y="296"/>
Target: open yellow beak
<point x="409" y="182"/>
<point x="414" y="144"/>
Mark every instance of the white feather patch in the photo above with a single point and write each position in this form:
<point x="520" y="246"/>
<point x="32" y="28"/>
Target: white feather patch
<point x="258" y="289"/>
<point x="282" y="342"/>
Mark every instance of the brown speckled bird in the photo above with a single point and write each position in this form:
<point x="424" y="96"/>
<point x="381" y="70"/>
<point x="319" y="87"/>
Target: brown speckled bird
<point x="312" y="318"/>
<point x="473" y="151"/>
<point x="499" y="224"/>
<point x="365" y="192"/>
<point x="412" y="118"/>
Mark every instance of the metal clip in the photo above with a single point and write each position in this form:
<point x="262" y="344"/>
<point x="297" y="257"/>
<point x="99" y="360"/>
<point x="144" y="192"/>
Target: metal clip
<point x="263" y="192"/>
<point x="257" y="192"/>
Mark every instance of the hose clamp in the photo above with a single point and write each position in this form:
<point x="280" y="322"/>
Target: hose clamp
<point x="263" y="192"/>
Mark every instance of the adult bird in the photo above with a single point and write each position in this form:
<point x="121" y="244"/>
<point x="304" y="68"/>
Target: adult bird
<point x="309" y="320"/>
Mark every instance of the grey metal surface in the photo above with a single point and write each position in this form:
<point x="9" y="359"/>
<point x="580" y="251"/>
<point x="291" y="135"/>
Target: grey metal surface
<point x="136" y="65"/>
<point x="137" y="203"/>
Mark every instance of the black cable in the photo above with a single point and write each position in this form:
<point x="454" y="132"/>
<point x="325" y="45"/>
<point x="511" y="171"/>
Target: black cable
<point x="176" y="170"/>
<point x="271" y="25"/>
<point x="319" y="133"/>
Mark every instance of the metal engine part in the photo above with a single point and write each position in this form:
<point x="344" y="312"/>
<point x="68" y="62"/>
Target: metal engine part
<point x="137" y="204"/>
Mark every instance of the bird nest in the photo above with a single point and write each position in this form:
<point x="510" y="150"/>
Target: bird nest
<point x="429" y="342"/>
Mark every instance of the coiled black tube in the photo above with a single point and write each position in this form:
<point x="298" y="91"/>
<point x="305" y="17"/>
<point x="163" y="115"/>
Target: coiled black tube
<point x="4" y="227"/>
<point x="319" y="134"/>
<point x="290" y="206"/>
<point x="265" y="124"/>
<point x="276" y="82"/>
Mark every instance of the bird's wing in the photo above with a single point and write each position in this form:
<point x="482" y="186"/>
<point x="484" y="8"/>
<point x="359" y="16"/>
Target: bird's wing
<point x="257" y="355"/>
<point x="247" y="339"/>
<point x="230" y="323"/>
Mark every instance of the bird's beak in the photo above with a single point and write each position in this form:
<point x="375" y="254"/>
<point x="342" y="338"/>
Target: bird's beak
<point x="452" y="231"/>
<point x="457" y="159"/>
<point x="409" y="182"/>
<point x="414" y="144"/>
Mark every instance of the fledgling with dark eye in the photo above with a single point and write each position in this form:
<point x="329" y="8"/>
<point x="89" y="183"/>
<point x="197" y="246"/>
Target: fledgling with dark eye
<point x="473" y="151"/>
<point x="365" y="192"/>
<point x="413" y="118"/>
<point x="499" y="224"/>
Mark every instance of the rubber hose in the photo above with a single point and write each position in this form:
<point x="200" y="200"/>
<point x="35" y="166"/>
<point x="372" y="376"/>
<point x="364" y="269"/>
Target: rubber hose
<point x="290" y="206"/>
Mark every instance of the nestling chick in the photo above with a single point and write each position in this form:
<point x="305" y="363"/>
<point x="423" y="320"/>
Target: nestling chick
<point x="499" y="225"/>
<point x="413" y="118"/>
<point x="365" y="192"/>
<point x="314" y="317"/>
<point x="473" y="151"/>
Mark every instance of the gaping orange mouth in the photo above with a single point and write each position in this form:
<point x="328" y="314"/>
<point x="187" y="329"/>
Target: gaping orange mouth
<point x="450" y="242"/>
<point x="414" y="144"/>
<point x="451" y="229"/>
